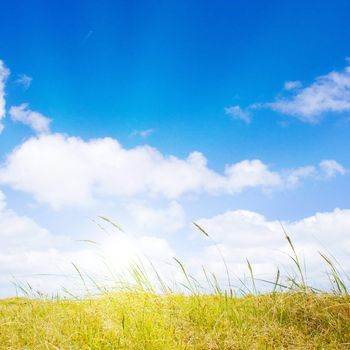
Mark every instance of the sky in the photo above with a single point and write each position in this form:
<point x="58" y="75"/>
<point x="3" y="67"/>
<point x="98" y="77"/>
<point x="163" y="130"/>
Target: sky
<point x="157" y="114"/>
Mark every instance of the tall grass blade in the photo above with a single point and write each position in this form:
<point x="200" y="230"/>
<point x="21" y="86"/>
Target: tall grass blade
<point x="200" y="228"/>
<point x="190" y="286"/>
<point x="252" y="276"/>
<point x="341" y="286"/>
<point x="221" y="255"/>
<point x="110" y="221"/>
<point x="297" y="263"/>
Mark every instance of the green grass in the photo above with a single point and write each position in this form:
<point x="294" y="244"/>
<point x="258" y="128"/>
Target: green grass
<point x="141" y="314"/>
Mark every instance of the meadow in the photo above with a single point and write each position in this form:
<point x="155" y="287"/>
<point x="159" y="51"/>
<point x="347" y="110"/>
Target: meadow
<point x="147" y="315"/>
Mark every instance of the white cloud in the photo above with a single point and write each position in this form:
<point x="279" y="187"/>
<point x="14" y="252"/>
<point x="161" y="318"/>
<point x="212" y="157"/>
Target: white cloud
<point x="332" y="168"/>
<point x="24" y="80"/>
<point x="34" y="120"/>
<point x="293" y="177"/>
<point x="326" y="169"/>
<point x="236" y="112"/>
<point x="168" y="219"/>
<point x="250" y="173"/>
<point x="292" y="85"/>
<point x="29" y="252"/>
<point x="143" y="133"/>
<point x="61" y="170"/>
<point x="4" y="73"/>
<point x="19" y="233"/>
<point x="329" y="93"/>
<point x="244" y="234"/>
<point x="22" y="240"/>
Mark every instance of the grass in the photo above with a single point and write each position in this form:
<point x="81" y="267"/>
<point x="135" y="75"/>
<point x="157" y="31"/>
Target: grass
<point x="138" y="320"/>
<point x="141" y="315"/>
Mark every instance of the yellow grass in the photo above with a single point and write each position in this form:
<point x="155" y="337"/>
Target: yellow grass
<point x="139" y="320"/>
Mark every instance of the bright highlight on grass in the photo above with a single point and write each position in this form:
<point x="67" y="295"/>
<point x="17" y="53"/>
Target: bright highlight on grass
<point x="141" y="311"/>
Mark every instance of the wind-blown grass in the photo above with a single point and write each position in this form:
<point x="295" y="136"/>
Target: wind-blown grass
<point x="142" y="314"/>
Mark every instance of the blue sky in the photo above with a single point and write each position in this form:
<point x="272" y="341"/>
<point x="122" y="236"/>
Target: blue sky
<point x="237" y="81"/>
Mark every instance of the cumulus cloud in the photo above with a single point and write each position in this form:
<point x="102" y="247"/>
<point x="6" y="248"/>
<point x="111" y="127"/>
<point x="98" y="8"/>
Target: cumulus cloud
<point x="20" y="231"/>
<point x="67" y="170"/>
<point x="165" y="219"/>
<point x="4" y="73"/>
<point x="244" y="234"/>
<point x="236" y="112"/>
<point x="250" y="173"/>
<point x="61" y="170"/>
<point x="23" y="241"/>
<point x="30" y="251"/>
<point x="35" y="120"/>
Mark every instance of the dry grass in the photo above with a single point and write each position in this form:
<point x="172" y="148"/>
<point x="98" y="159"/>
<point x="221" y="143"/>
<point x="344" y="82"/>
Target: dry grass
<point x="138" y="320"/>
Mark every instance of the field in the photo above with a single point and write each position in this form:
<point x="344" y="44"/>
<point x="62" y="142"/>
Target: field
<point x="139" y="320"/>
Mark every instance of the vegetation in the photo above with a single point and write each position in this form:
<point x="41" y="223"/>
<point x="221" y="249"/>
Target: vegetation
<point x="137" y="320"/>
<point x="293" y="315"/>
